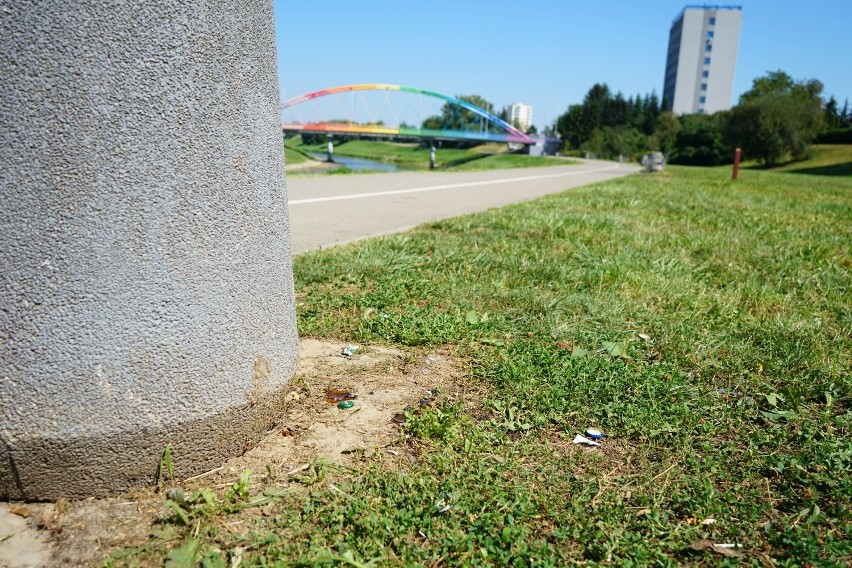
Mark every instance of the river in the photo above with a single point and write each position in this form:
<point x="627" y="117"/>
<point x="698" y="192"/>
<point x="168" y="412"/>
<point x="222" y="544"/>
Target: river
<point x="358" y="164"/>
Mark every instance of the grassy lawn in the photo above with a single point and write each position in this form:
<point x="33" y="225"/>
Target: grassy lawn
<point x="294" y="157"/>
<point x="413" y="156"/>
<point x="703" y="325"/>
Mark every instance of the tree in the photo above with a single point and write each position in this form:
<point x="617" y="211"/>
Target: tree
<point x="505" y="113"/>
<point x="577" y="125"/>
<point x="700" y="141"/>
<point x="665" y="131"/>
<point x="648" y="116"/>
<point x="775" y="82"/>
<point x="594" y="145"/>
<point x="617" y="112"/>
<point x="630" y="121"/>
<point x="455" y="117"/>
<point x="571" y="127"/>
<point x="832" y="115"/>
<point x="433" y="123"/>
<point x="595" y="105"/>
<point x="309" y="139"/>
<point x="777" y="116"/>
<point x="624" y="141"/>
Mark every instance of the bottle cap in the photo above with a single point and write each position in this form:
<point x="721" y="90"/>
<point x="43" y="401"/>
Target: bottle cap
<point x="594" y="434"/>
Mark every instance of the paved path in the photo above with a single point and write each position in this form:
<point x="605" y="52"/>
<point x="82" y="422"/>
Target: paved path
<point x="328" y="210"/>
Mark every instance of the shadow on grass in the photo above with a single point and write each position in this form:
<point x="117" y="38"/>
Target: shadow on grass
<point x="843" y="169"/>
<point x="464" y="160"/>
<point x="832" y="170"/>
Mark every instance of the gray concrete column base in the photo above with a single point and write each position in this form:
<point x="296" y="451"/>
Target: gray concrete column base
<point x="103" y="464"/>
<point x="146" y="284"/>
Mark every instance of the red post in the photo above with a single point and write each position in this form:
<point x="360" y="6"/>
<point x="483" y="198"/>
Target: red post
<point x="737" y="155"/>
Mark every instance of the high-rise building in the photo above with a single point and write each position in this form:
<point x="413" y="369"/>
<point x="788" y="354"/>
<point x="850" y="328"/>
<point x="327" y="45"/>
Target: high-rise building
<point x="702" y="55"/>
<point x="521" y="115"/>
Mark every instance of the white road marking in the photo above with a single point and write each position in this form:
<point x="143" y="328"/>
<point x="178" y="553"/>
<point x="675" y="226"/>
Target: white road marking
<point x="446" y="186"/>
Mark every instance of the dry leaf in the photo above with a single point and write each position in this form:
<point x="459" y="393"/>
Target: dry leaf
<point x="21" y="511"/>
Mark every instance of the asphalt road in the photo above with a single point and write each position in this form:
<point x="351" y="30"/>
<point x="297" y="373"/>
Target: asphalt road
<point x="329" y="210"/>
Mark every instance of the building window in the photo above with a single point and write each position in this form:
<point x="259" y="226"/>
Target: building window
<point x="705" y="74"/>
<point x="701" y="111"/>
<point x="703" y="86"/>
<point x="706" y="61"/>
<point x="709" y="35"/>
<point x="708" y="47"/>
<point x="702" y="100"/>
<point x="712" y="21"/>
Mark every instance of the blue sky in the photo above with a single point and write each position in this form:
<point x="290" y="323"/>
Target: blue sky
<point x="546" y="53"/>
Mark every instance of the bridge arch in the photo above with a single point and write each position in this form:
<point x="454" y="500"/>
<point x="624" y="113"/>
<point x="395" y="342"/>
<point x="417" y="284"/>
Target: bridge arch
<point x="512" y="133"/>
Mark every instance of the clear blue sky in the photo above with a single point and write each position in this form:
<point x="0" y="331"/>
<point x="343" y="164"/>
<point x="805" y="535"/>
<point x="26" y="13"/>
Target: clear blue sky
<point x="545" y="53"/>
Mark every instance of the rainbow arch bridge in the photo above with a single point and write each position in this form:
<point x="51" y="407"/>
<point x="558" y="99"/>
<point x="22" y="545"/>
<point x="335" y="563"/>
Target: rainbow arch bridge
<point x="508" y="133"/>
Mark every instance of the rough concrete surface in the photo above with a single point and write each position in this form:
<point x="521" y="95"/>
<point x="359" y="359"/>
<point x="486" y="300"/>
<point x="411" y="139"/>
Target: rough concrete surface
<point x="146" y="293"/>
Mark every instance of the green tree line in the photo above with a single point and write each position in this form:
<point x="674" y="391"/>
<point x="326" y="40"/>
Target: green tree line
<point x="777" y="118"/>
<point x="607" y="124"/>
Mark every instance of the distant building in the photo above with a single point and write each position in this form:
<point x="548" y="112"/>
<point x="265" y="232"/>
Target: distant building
<point x="521" y="115"/>
<point x="702" y="55"/>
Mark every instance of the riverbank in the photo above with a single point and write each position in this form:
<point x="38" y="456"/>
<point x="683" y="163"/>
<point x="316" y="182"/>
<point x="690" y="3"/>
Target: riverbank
<point x="413" y="156"/>
<point x="310" y="166"/>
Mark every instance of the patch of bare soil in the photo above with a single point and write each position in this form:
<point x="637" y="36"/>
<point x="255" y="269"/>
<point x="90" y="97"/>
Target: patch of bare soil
<point x="385" y="382"/>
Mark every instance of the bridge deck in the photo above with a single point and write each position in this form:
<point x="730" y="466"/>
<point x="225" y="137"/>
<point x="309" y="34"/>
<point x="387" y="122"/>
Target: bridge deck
<point x="407" y="132"/>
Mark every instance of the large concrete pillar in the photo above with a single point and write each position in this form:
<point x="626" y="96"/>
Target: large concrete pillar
<point x="146" y="293"/>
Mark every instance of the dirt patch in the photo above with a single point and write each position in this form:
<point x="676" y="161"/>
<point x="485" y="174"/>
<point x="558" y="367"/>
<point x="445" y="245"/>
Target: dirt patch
<point x="384" y="380"/>
<point x="22" y="545"/>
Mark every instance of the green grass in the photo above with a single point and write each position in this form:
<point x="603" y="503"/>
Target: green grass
<point x="294" y="157"/>
<point x="505" y="161"/>
<point x="413" y="156"/>
<point x="733" y="403"/>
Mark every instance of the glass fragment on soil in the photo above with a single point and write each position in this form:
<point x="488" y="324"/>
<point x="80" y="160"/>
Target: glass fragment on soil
<point x="335" y="395"/>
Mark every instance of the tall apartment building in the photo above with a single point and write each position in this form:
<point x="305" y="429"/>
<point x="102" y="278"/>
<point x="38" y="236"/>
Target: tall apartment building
<point x="521" y="115"/>
<point x="702" y="55"/>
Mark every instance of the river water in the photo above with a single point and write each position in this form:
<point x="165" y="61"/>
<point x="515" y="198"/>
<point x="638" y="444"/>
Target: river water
<point x="358" y="164"/>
